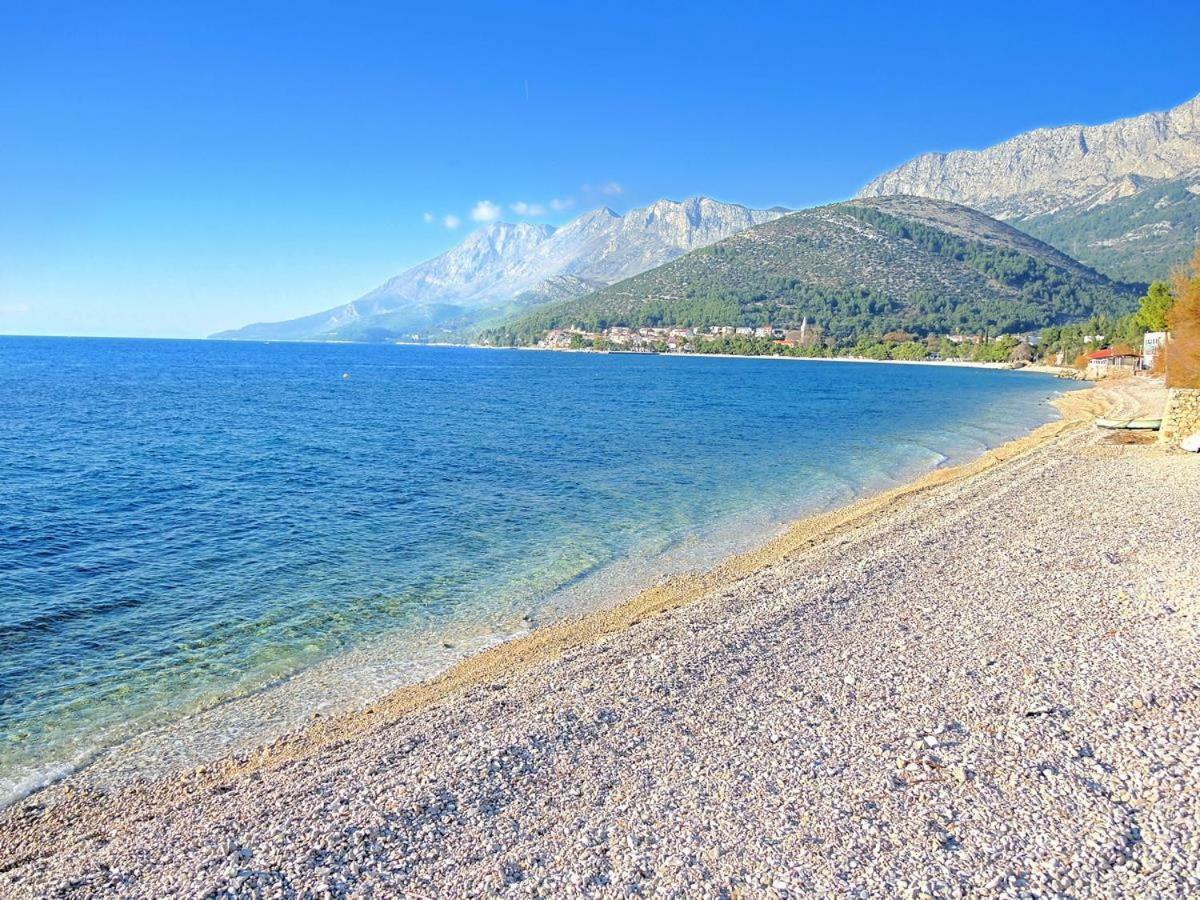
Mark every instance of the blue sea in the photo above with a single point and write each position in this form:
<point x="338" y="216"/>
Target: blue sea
<point x="204" y="543"/>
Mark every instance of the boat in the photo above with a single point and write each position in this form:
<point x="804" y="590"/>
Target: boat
<point x="1131" y="424"/>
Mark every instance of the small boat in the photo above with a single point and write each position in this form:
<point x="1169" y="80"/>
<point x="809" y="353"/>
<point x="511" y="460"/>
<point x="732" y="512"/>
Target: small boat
<point x="1131" y="424"/>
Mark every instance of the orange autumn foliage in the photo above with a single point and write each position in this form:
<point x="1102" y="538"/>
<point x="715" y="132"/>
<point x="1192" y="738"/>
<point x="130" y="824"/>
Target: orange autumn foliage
<point x="1183" y="352"/>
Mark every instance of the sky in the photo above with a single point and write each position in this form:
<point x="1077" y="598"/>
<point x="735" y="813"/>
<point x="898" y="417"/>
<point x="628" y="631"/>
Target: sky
<point x="173" y="169"/>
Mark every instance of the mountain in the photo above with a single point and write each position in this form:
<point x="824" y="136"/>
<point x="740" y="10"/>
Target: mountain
<point x="501" y="267"/>
<point x="1138" y="236"/>
<point x="1123" y="197"/>
<point x="862" y="267"/>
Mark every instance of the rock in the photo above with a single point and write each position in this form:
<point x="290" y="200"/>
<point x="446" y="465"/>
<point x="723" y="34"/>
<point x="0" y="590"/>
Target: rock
<point x="1044" y="170"/>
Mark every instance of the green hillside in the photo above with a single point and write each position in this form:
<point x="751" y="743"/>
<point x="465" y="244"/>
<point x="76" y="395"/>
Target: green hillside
<point x="1135" y="238"/>
<point x="865" y="267"/>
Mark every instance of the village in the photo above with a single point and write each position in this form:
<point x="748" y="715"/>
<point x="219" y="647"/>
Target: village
<point x="671" y="340"/>
<point x="809" y="340"/>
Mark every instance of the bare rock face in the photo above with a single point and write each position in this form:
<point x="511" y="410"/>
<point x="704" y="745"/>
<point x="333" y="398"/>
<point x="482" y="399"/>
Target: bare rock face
<point x="1048" y="169"/>
<point x="503" y="264"/>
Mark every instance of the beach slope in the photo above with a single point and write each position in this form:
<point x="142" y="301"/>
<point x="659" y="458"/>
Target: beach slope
<point x="985" y="682"/>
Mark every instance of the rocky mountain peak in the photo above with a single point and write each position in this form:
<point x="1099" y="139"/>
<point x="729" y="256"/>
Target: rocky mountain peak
<point x="502" y="263"/>
<point x="1048" y="169"/>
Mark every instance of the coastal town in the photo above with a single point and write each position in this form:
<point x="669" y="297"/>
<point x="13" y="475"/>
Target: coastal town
<point x="1099" y="356"/>
<point x="675" y="339"/>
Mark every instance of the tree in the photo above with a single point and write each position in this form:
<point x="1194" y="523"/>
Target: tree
<point x="1183" y="352"/>
<point x="909" y="350"/>
<point x="1152" y="314"/>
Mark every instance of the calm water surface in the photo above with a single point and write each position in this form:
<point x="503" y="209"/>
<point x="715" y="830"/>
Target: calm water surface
<point x="202" y="543"/>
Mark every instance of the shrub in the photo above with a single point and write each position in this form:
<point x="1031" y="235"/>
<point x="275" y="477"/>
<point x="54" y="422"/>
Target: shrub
<point x="1183" y="352"/>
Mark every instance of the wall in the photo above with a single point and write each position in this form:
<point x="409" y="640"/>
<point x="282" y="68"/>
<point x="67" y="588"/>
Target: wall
<point x="1182" y="415"/>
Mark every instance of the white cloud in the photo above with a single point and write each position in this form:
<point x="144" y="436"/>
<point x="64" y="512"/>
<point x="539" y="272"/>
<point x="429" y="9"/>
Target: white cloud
<point x="609" y="187"/>
<point x="562" y="204"/>
<point x="485" y="211"/>
<point x="452" y="222"/>
<point x="521" y="208"/>
<point x="428" y="217"/>
<point x="13" y="309"/>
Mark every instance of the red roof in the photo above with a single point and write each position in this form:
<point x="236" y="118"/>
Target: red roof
<point x="1108" y="353"/>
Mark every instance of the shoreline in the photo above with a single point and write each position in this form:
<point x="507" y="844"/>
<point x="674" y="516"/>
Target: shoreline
<point x="1037" y="368"/>
<point x="911" y="652"/>
<point x="547" y="642"/>
<point x="550" y="640"/>
<point x="136" y="756"/>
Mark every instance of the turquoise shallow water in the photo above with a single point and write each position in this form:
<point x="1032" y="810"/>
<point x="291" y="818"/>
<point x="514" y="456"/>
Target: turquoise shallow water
<point x="184" y="523"/>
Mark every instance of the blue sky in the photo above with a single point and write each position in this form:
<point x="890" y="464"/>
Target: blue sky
<point x="169" y="169"/>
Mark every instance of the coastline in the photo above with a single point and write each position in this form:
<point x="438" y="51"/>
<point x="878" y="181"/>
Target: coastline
<point x="239" y="720"/>
<point x="510" y="656"/>
<point x="55" y="822"/>
<point x="547" y="642"/>
<point x="1036" y="368"/>
<point x="502" y="656"/>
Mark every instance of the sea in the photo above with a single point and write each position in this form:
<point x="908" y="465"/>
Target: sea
<point x="203" y="544"/>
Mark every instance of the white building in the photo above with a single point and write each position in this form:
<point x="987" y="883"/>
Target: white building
<point x="1152" y="345"/>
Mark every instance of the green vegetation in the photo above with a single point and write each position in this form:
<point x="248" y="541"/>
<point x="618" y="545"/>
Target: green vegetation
<point x="1135" y="238"/>
<point x="858" y="270"/>
<point x="1152" y="313"/>
<point x="1077" y="338"/>
<point x="744" y="345"/>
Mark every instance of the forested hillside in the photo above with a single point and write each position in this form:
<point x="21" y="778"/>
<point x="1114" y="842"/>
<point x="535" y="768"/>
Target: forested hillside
<point x="1138" y="237"/>
<point x="865" y="267"/>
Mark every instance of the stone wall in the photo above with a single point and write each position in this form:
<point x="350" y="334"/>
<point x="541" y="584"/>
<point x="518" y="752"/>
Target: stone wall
<point x="1182" y="416"/>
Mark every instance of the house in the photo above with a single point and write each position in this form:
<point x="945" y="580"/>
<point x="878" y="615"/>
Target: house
<point x="743" y="330"/>
<point x="763" y="331"/>
<point x="1109" y="361"/>
<point x="1152" y="344"/>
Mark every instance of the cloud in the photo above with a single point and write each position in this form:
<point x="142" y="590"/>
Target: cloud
<point x="609" y="187"/>
<point x="521" y="208"/>
<point x="13" y="309"/>
<point x="562" y="204"/>
<point x="452" y="222"/>
<point x="428" y="217"/>
<point x="485" y="211"/>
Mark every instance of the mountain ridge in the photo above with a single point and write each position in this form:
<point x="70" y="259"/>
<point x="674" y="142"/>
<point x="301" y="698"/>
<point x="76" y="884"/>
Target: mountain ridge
<point x="1123" y="197"/>
<point x="1041" y="170"/>
<point x="501" y="264"/>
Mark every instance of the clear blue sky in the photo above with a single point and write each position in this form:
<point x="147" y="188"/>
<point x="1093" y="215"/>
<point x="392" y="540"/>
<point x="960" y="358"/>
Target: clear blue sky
<point x="169" y="169"/>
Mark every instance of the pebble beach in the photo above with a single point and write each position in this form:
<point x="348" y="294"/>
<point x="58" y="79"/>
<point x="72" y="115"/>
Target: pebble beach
<point x="986" y="683"/>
